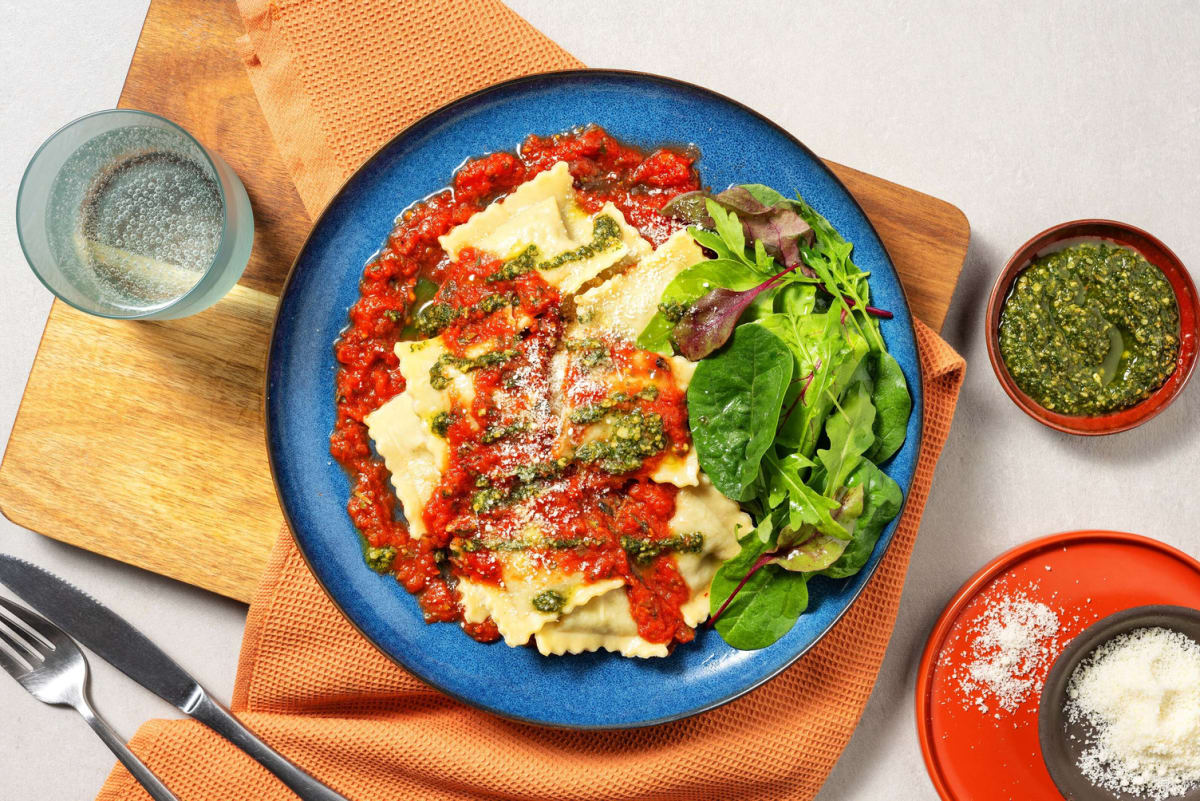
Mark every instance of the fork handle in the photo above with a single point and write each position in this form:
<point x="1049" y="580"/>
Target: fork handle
<point x="157" y="790"/>
<point x="204" y="709"/>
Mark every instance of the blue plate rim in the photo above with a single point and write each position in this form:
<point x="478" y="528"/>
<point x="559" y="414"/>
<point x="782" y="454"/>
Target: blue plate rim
<point x="868" y="570"/>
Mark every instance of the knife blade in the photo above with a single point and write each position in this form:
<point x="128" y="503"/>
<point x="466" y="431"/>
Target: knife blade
<point x="115" y="640"/>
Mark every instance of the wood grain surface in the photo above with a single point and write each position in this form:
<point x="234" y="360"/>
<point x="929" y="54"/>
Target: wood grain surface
<point x="144" y="441"/>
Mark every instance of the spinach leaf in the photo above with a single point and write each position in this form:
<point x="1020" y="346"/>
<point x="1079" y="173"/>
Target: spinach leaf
<point x="753" y="602"/>
<point x="733" y="404"/>
<point x="882" y="499"/>
<point x="892" y="404"/>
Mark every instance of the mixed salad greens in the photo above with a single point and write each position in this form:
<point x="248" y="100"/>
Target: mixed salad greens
<point x="794" y="403"/>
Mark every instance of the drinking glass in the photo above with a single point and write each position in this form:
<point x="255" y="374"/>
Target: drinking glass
<point x="124" y="214"/>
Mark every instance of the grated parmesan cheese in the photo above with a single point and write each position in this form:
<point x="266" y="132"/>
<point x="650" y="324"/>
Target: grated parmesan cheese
<point x="1012" y="643"/>
<point x="1140" y="694"/>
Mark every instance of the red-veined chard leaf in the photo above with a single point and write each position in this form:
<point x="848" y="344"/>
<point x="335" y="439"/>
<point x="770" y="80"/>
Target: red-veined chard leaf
<point x="709" y="321"/>
<point x="771" y="219"/>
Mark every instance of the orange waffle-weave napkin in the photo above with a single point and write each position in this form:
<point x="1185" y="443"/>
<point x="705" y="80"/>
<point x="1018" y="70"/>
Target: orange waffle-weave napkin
<point x="336" y="80"/>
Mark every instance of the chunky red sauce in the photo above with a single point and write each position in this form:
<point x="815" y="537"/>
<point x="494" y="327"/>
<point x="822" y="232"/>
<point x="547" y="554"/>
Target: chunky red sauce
<point x="591" y="514"/>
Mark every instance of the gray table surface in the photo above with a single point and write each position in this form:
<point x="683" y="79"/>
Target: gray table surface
<point x="1023" y="114"/>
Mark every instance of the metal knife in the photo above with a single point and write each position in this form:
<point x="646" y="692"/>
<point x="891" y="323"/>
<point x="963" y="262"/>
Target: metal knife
<point x="129" y="651"/>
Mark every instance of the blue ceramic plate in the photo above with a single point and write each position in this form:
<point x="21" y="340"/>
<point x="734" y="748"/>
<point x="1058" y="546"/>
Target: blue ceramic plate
<point x="597" y="690"/>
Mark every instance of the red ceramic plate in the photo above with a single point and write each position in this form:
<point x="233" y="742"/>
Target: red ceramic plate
<point x="1157" y="254"/>
<point x="972" y="755"/>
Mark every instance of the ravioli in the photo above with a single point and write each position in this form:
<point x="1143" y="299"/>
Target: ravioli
<point x="511" y="604"/>
<point x="624" y="304"/>
<point x="402" y="428"/>
<point x="552" y="413"/>
<point x="570" y="246"/>
<point x="605" y="622"/>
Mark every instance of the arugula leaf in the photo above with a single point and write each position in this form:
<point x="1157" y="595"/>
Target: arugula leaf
<point x="850" y="433"/>
<point x="733" y="402"/>
<point x="728" y="227"/>
<point x="882" y="499"/>
<point x="753" y="602"/>
<point x="805" y="506"/>
<point x="893" y="405"/>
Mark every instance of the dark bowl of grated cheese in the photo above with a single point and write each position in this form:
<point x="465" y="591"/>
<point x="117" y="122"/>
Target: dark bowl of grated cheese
<point x="1120" y="709"/>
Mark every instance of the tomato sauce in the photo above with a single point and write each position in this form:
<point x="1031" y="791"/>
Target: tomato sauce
<point x="591" y="510"/>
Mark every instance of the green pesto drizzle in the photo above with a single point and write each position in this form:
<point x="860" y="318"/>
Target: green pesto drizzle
<point x="643" y="551"/>
<point x="495" y="433"/>
<point x="605" y="233"/>
<point x="635" y="437"/>
<point x="437" y="373"/>
<point x="434" y="318"/>
<point x="380" y="559"/>
<point x="549" y="601"/>
<point x="590" y="352"/>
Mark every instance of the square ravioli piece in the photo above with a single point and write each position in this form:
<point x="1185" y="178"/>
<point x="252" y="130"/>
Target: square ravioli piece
<point x="542" y="221"/>
<point x="624" y="304"/>
<point x="402" y="428"/>
<point x="605" y="622"/>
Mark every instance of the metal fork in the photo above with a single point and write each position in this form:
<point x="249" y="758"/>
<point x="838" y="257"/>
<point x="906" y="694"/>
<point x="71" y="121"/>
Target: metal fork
<point x="54" y="671"/>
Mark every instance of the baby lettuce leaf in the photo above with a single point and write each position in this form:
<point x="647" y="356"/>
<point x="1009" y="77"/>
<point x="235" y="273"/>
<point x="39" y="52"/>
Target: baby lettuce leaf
<point x="882" y="499"/>
<point x="827" y="354"/>
<point x="892" y="404"/>
<point x="691" y="207"/>
<point x="734" y="401"/>
<point x="819" y="550"/>
<point x="709" y="321"/>
<point x="753" y="602"/>
<point x="797" y="299"/>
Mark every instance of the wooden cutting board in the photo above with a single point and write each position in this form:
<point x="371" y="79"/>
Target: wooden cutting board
<point x="144" y="441"/>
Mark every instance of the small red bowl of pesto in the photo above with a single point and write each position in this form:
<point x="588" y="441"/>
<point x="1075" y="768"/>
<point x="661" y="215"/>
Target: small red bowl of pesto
<point x="1092" y="327"/>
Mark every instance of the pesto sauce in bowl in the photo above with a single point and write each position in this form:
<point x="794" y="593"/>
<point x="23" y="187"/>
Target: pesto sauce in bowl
<point x="1090" y="329"/>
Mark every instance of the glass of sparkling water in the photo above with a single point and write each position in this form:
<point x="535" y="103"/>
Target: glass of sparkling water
<point x="124" y="214"/>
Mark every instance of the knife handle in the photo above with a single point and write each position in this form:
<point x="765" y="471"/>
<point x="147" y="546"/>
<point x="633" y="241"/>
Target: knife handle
<point x="204" y="709"/>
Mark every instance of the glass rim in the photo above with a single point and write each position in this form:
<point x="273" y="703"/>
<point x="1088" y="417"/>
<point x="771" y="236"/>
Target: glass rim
<point x="220" y="190"/>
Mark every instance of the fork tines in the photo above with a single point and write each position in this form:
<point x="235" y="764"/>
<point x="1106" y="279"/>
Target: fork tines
<point x="26" y="635"/>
